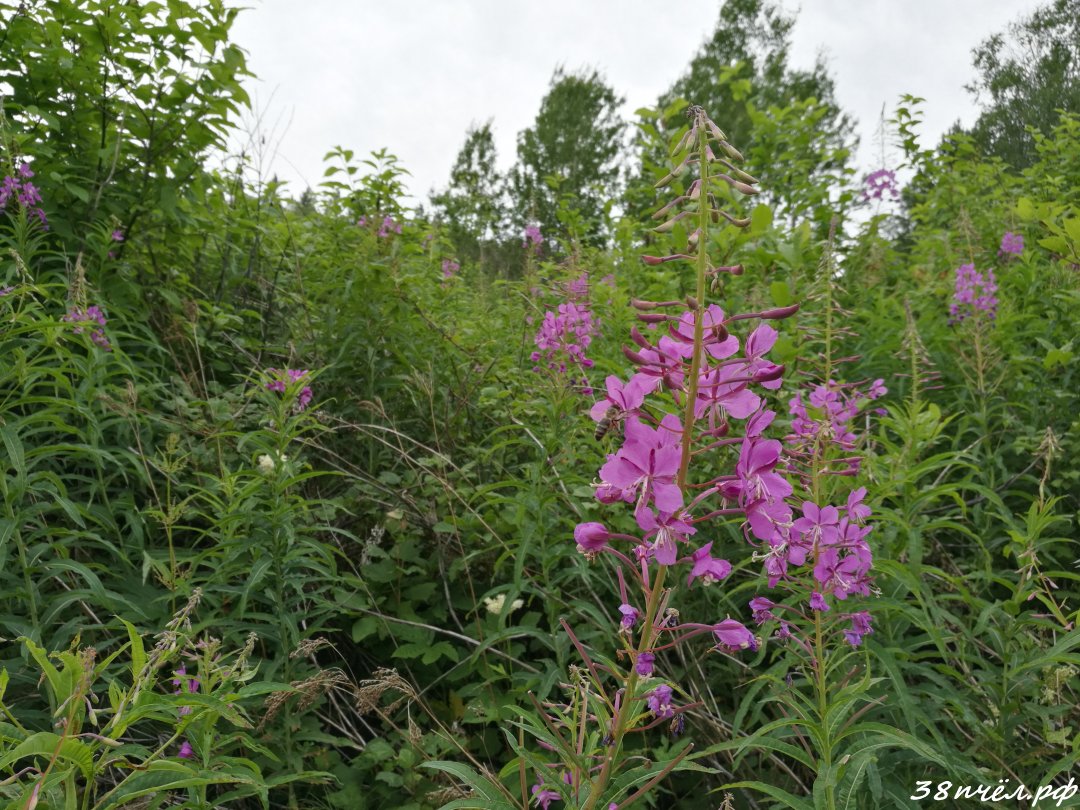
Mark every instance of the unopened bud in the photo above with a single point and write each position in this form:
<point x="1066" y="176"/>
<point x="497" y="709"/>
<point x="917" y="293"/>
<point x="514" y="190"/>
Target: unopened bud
<point x="637" y="303"/>
<point x="667" y="226"/>
<point x="716" y="131"/>
<point x="731" y="151"/>
<point x="733" y="269"/>
<point x="685" y="140"/>
<point x="744" y="188"/>
<point x="652" y="261"/>
<point x="639" y="338"/>
<point x="779" y="314"/>
<point x="767" y="374"/>
<point x="634" y="357"/>
<point x="692" y="302"/>
<point x="654" y="317"/>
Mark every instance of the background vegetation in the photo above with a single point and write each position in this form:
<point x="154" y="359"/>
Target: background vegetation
<point x="213" y="592"/>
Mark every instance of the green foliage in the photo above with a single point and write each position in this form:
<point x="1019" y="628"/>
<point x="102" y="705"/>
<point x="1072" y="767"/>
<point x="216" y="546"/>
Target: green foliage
<point x="1027" y="77"/>
<point x="569" y="154"/>
<point x="377" y="582"/>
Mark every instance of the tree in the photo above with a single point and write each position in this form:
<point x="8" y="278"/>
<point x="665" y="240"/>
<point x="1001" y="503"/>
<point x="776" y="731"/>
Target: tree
<point x="472" y="205"/>
<point x="567" y="159"/>
<point x="1026" y="76"/>
<point x="740" y="72"/>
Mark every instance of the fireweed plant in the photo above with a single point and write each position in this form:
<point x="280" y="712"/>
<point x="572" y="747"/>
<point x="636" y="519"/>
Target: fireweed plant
<point x="691" y="400"/>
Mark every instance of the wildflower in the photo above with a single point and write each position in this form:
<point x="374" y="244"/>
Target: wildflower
<point x="880" y="184"/>
<point x="532" y="234"/>
<point x="184" y="686"/>
<point x="1012" y="244"/>
<point x="450" y="268"/>
<point x="762" y="609"/>
<point x="542" y="796"/>
<point x="630" y="615"/>
<point x="666" y="528"/>
<point x="563" y="338"/>
<point x="648" y="461"/>
<point x="709" y="568"/>
<point x="973" y="293"/>
<point x="280" y="381"/>
<point x="186" y="751"/>
<point x="659" y="702"/>
<point x="118" y="235"/>
<point x="25" y="193"/>
<point x="591" y="537"/>
<point x="494" y="604"/>
<point x="644" y="664"/>
<point x="818" y="603"/>
<point x="733" y="636"/>
<point x="389" y="226"/>
<point x="87" y="319"/>
<point x="5" y="291"/>
<point x="361" y="222"/>
<point x="860" y="626"/>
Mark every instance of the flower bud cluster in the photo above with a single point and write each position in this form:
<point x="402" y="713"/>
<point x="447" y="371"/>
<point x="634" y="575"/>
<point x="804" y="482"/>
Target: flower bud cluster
<point x="881" y="184"/>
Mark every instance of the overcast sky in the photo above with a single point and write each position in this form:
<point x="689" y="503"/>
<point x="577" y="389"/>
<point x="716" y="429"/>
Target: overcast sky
<point x="412" y="76"/>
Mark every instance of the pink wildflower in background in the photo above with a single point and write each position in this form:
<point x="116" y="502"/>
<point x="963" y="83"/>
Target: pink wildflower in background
<point x="88" y="318"/>
<point x="1012" y="244"/>
<point x="18" y="187"/>
<point x="562" y="340"/>
<point x="450" y="268"/>
<point x="974" y="294"/>
<point x="281" y="380"/>
<point x="881" y="185"/>
<point x="389" y="226"/>
<point x="533" y="238"/>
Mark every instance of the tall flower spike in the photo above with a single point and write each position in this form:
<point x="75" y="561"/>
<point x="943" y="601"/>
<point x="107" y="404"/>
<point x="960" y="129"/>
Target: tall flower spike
<point x="696" y="393"/>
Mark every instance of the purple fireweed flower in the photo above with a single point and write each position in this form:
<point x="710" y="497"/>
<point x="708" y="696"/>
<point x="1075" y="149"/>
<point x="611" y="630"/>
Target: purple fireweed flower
<point x="716" y="341"/>
<point x="754" y="476"/>
<point x="543" y="796"/>
<point x="857" y="511"/>
<point x="450" y="268"/>
<point x="659" y="701"/>
<point x="881" y="184"/>
<point x="591" y="537"/>
<point x="644" y="664"/>
<point x="563" y="338"/>
<point x="630" y="615"/>
<point x="817" y="602"/>
<point x="733" y="636"/>
<point x="6" y="291"/>
<point x="184" y="686"/>
<point x="818" y="525"/>
<point x="389" y="226"/>
<point x="18" y="187"/>
<point x="280" y="381"/>
<point x="361" y="222"/>
<point x="1012" y="244"/>
<point x="186" y="751"/>
<point x="842" y="576"/>
<point x="762" y="609"/>
<point x="87" y="319"/>
<point x="974" y="294"/>
<point x="648" y="462"/>
<point x="118" y="235"/>
<point x="532" y="235"/>
<point x="624" y="397"/>
<point x="667" y="529"/>
<point x="709" y="568"/>
<point x="860" y="626"/>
